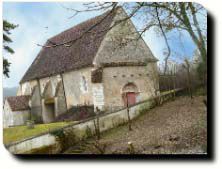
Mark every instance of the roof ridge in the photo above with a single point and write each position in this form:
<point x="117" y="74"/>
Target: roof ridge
<point x="78" y="25"/>
<point x="18" y="102"/>
<point x="54" y="60"/>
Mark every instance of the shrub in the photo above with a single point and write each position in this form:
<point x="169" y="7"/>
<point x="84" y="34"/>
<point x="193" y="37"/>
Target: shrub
<point x="66" y="138"/>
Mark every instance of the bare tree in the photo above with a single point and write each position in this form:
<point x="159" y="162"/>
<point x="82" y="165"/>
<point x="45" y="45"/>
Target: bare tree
<point x="166" y="41"/>
<point x="168" y="16"/>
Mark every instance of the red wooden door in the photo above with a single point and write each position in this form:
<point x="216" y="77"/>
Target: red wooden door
<point x="131" y="97"/>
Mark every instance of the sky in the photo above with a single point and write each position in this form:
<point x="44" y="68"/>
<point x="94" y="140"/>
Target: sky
<point x="38" y="21"/>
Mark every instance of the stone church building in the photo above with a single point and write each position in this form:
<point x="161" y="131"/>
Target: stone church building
<point x="104" y="65"/>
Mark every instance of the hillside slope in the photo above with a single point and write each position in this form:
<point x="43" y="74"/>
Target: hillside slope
<point x="176" y="127"/>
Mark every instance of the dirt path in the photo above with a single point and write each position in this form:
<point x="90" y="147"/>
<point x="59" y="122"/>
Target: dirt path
<point x="178" y="126"/>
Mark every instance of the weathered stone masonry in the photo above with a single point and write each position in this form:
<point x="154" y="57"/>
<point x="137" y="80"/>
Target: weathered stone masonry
<point x="99" y="69"/>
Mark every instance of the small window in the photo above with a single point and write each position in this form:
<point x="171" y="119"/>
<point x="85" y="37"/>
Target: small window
<point x="123" y="75"/>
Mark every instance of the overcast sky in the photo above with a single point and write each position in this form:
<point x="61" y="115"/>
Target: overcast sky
<point x="39" y="21"/>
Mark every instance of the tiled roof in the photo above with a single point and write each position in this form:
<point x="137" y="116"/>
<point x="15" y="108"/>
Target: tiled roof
<point x="18" y="102"/>
<point x="55" y="60"/>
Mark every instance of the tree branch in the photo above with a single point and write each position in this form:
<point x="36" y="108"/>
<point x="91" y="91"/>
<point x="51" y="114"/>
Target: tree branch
<point x="87" y="31"/>
<point x="165" y="38"/>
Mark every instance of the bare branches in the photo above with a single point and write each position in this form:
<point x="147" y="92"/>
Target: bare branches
<point x="166" y="16"/>
<point x="187" y="66"/>
<point x="196" y="24"/>
<point x="165" y="38"/>
<point x="71" y="42"/>
<point x="90" y="7"/>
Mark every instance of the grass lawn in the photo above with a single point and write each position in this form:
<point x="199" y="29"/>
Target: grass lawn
<point x="21" y="132"/>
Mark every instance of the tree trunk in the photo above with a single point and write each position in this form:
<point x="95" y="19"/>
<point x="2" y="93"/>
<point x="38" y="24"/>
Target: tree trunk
<point x="189" y="79"/>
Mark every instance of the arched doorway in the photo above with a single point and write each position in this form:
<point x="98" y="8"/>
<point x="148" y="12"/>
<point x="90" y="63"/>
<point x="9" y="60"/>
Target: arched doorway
<point x="129" y="94"/>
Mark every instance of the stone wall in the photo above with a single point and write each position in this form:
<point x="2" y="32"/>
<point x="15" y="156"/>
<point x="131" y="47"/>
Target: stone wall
<point x="78" y="87"/>
<point x="115" y="78"/>
<point x="120" y="46"/>
<point x="79" y="91"/>
<point x="81" y="129"/>
<point x="32" y="144"/>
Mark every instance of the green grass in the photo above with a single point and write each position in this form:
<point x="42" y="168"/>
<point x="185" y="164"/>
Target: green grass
<point x="166" y="92"/>
<point x="21" y="132"/>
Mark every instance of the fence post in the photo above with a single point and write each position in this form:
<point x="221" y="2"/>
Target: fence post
<point x="128" y="115"/>
<point x="96" y="124"/>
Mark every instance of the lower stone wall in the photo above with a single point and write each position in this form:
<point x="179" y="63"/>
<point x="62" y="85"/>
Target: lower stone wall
<point x="32" y="144"/>
<point x="81" y="130"/>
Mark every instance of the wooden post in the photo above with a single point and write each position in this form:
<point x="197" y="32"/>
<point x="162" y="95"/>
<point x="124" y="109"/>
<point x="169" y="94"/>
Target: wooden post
<point x="128" y="115"/>
<point x="96" y="124"/>
<point x="168" y="82"/>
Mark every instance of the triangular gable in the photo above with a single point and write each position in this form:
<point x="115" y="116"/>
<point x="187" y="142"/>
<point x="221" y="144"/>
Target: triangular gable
<point x="120" y="46"/>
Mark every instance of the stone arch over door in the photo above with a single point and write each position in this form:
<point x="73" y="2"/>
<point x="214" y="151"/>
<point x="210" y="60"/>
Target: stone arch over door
<point x="130" y="93"/>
